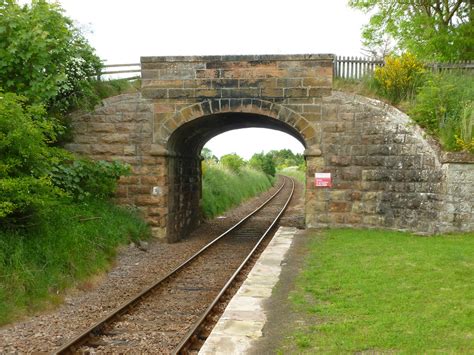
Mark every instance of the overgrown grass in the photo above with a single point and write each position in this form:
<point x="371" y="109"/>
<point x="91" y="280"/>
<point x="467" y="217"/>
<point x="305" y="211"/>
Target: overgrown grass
<point x="68" y="244"/>
<point x="223" y="189"/>
<point x="108" y="88"/>
<point x="364" y="86"/>
<point x="385" y="291"/>
<point x="294" y="172"/>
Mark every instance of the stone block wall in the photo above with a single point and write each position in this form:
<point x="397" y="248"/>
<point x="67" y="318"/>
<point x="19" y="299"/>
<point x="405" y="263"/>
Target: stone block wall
<point x="261" y="76"/>
<point x="458" y="203"/>
<point x="385" y="172"/>
<point x="121" y="129"/>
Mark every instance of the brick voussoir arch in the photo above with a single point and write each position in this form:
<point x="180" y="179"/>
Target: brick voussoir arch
<point x="223" y="105"/>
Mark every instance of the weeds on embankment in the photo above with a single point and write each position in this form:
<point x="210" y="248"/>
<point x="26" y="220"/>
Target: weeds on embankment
<point x="223" y="188"/>
<point x="63" y="246"/>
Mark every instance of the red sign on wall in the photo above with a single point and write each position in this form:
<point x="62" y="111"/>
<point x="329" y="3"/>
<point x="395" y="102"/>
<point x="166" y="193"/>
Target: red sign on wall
<point x="322" y="180"/>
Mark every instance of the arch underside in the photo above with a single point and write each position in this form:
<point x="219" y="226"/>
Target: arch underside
<point x="190" y="138"/>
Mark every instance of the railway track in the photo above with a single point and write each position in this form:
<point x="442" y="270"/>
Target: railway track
<point x="172" y="315"/>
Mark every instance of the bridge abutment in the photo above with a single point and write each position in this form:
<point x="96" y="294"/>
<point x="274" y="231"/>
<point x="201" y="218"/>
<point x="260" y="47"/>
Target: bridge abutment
<point x="385" y="174"/>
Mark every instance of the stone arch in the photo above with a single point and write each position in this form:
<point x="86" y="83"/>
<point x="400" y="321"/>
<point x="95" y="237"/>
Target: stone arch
<point x="194" y="125"/>
<point x="306" y="130"/>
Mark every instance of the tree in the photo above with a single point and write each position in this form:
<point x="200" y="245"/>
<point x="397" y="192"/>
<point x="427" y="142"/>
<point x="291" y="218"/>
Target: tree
<point x="44" y="57"/>
<point x="430" y="29"/>
<point x="263" y="162"/>
<point x="285" y="157"/>
<point x="232" y="162"/>
<point x="207" y="155"/>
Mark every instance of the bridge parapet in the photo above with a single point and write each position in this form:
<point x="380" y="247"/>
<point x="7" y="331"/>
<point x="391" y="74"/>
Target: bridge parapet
<point x="270" y="77"/>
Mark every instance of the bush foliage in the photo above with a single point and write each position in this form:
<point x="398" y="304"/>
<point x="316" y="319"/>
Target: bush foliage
<point x="232" y="162"/>
<point x="54" y="227"/>
<point x="44" y="57"/>
<point x="34" y="175"/>
<point x="24" y="156"/>
<point x="82" y="178"/>
<point x="263" y="162"/>
<point x="45" y="72"/>
<point x="444" y="107"/>
<point x="399" y="78"/>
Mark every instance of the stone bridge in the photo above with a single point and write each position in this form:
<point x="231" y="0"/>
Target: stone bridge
<point x="385" y="173"/>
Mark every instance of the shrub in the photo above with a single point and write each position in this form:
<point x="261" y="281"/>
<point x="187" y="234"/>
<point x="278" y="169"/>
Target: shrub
<point x="233" y="162"/>
<point x="44" y="57"/>
<point x="399" y="78"/>
<point x="34" y="175"/>
<point x="24" y="157"/>
<point x="443" y="107"/>
<point x="263" y="162"/>
<point x="83" y="178"/>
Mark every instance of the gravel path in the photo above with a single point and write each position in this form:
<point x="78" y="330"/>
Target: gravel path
<point x="134" y="270"/>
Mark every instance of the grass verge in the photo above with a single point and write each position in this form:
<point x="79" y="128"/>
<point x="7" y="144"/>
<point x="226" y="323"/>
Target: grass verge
<point x="294" y="172"/>
<point x="385" y="292"/>
<point x="68" y="244"/>
<point x="223" y="189"/>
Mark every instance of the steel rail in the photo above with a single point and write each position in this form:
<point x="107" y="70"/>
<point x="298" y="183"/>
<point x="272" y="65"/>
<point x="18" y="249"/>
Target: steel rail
<point x="181" y="348"/>
<point x="130" y="302"/>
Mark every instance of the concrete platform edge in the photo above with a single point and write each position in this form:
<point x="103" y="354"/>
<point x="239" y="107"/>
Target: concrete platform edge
<point x="243" y="319"/>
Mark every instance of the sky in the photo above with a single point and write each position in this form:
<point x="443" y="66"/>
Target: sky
<point x="122" y="31"/>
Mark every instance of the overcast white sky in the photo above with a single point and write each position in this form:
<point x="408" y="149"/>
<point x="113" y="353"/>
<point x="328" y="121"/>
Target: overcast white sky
<point x="123" y="30"/>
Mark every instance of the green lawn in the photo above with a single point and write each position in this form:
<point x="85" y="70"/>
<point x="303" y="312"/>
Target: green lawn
<point x="366" y="290"/>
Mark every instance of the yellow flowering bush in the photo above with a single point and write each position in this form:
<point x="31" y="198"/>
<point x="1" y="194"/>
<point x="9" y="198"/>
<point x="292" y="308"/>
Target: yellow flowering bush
<point x="399" y="78"/>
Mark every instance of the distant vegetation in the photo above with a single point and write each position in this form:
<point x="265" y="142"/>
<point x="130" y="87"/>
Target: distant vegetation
<point x="294" y="172"/>
<point x="223" y="188"/>
<point x="230" y="180"/>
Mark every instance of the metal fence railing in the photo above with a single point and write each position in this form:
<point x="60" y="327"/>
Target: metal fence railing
<point x="109" y="70"/>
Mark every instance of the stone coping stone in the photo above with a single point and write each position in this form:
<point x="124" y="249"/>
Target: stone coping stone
<point x="244" y="317"/>
<point x="236" y="58"/>
<point x="457" y="157"/>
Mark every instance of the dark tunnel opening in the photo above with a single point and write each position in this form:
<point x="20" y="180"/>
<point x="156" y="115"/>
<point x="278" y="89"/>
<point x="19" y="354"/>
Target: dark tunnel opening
<point x="184" y="163"/>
